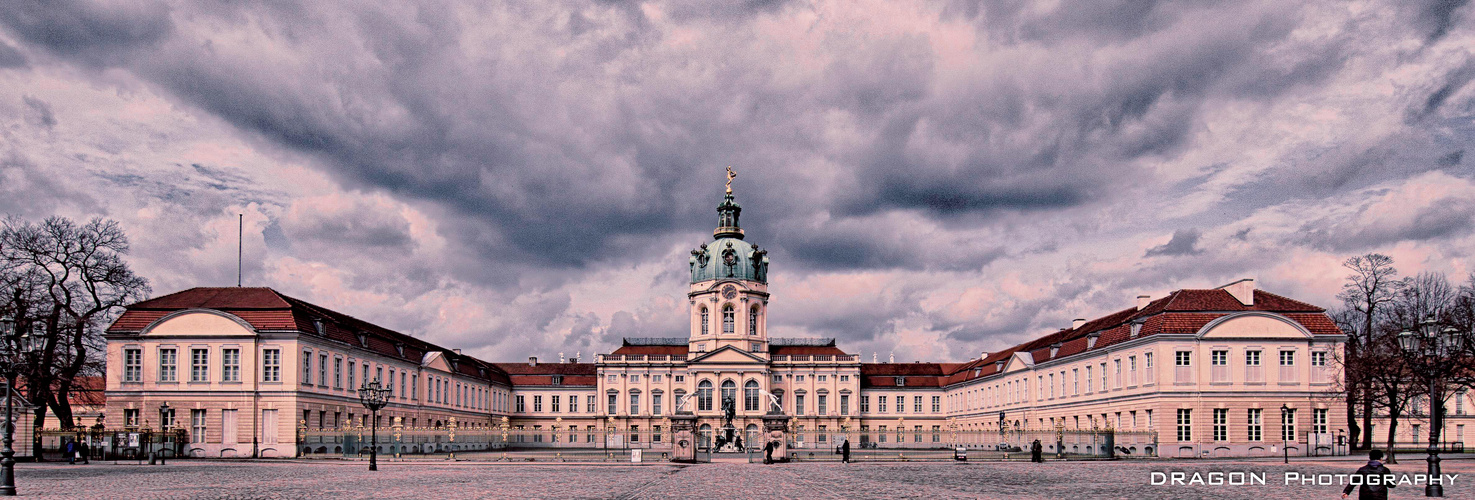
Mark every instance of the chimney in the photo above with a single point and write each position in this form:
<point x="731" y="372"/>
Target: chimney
<point x="983" y="355"/>
<point x="457" y="351"/>
<point x="875" y="357"/>
<point x="1076" y="323"/>
<point x="560" y="357"/>
<point x="891" y="358"/>
<point x="532" y="361"/>
<point x="1143" y="301"/>
<point x="1242" y="290"/>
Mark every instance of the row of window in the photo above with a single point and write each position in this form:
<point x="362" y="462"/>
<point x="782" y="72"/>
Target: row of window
<point x="729" y="320"/>
<point x="900" y="405"/>
<point x="557" y="403"/>
<point x="1253" y="424"/>
<point x="1076" y="382"/>
<point x="439" y="390"/>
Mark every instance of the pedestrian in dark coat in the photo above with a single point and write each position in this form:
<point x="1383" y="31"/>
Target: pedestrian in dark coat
<point x="1374" y="467"/>
<point x="845" y="451"/>
<point x="1035" y="452"/>
<point x="768" y="453"/>
<point x="83" y="450"/>
<point x="71" y="452"/>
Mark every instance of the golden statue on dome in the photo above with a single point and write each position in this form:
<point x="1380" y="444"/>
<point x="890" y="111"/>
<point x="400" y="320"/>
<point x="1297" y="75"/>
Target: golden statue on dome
<point x="730" y="176"/>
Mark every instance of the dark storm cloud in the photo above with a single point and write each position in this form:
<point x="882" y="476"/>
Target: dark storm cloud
<point x="93" y="33"/>
<point x="1452" y="159"/>
<point x="10" y="57"/>
<point x="1184" y="242"/>
<point x="1453" y="82"/>
<point x="1440" y="220"/>
<point x="1436" y="16"/>
<point x="38" y="113"/>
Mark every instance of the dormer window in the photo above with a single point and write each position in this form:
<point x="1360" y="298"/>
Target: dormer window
<point x="558" y="380"/>
<point x="1054" y="349"/>
<point x="1136" y="328"/>
<point x="317" y="324"/>
<point x="1091" y="339"/>
<point x="363" y="339"/>
<point x="901" y="381"/>
<point x="977" y="372"/>
<point x="400" y="348"/>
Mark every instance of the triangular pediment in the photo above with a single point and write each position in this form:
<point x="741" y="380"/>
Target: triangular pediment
<point x="436" y="360"/>
<point x="727" y="354"/>
<point x="1019" y="361"/>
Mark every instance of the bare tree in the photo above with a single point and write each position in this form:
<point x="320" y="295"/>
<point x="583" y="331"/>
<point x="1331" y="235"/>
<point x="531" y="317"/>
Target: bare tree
<point x="1371" y="286"/>
<point x="63" y="282"/>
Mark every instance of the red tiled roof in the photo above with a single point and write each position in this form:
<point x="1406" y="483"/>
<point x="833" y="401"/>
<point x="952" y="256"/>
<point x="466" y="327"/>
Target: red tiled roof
<point x="1181" y="312"/>
<point x="267" y="309"/>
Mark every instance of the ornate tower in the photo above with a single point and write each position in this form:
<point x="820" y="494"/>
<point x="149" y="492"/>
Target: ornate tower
<point x="729" y="287"/>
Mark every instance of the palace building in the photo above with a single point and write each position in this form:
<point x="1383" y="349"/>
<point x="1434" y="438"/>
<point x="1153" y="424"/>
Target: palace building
<point x="1232" y="370"/>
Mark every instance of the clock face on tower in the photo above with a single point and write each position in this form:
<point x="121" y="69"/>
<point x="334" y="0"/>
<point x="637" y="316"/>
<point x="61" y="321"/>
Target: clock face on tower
<point x="729" y="291"/>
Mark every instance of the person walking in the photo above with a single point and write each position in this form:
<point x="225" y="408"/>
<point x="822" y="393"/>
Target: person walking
<point x="845" y="451"/>
<point x="1374" y="467"/>
<point x="1036" y="452"/>
<point x="768" y="453"/>
<point x="83" y="449"/>
<point x="71" y="451"/>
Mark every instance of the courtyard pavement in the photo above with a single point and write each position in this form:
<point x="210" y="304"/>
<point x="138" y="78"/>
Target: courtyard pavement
<point x="322" y="479"/>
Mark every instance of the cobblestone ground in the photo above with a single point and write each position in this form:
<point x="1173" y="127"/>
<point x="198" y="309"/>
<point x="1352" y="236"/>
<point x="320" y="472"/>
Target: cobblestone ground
<point x="436" y="480"/>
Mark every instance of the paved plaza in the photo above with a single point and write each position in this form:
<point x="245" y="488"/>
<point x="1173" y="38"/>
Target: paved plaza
<point x="436" y="480"/>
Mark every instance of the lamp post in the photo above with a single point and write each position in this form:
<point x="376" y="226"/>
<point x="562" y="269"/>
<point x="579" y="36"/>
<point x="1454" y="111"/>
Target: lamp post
<point x="7" y="464"/>
<point x="374" y="398"/>
<point x="1284" y="411"/>
<point x="1434" y="353"/>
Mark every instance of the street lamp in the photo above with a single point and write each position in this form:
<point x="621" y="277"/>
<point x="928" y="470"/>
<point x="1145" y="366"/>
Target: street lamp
<point x="7" y="464"/>
<point x="1284" y="411"/>
<point x="374" y="398"/>
<point x="1435" y="354"/>
<point x="164" y="424"/>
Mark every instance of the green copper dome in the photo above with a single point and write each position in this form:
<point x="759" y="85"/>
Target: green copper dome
<point x="728" y="257"/>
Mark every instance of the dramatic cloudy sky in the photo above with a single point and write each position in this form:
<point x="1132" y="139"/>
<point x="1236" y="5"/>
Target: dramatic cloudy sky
<point x="932" y="179"/>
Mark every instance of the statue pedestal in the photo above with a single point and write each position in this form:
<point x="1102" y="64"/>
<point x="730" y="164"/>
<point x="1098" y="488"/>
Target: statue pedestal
<point x="684" y="443"/>
<point x="776" y="431"/>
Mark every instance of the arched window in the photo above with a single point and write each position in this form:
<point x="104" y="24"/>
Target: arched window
<point x="705" y="435"/>
<point x="729" y="390"/>
<point x="727" y="318"/>
<point x="706" y="323"/>
<point x="753" y="321"/>
<point x="750" y="396"/>
<point x="704" y="396"/>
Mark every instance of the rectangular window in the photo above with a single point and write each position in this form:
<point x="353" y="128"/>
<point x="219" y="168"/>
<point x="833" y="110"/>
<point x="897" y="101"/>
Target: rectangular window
<point x="521" y="404"/>
<point x="1256" y="425"/>
<point x="778" y="379"/>
<point x="1221" y="424"/>
<point x="269" y="427"/>
<point x="823" y="407"/>
<point x="917" y="404"/>
<point x="554" y="403"/>
<point x="1117" y="365"/>
<point x="936" y="404"/>
<point x="1459" y="403"/>
<point x="1103" y="377"/>
<point x="844" y="378"/>
<point x="1183" y="367"/>
<point x="634" y="378"/>
<point x="865" y="404"/>
<point x="352" y="372"/>
<point x="655" y="378"/>
<point x="1088" y="380"/>
<point x="1185" y="424"/>
<point x="168" y="364"/>
<point x="901" y="404"/>
<point x="130" y="417"/>
<point x="133" y="365"/>
<point x="1319" y="420"/>
<point x="634" y="404"/>
<point x="1147" y="366"/>
<point x="197" y="426"/>
<point x="823" y="378"/>
<point x="573" y="403"/>
<point x="937" y="434"/>
<point x="1288" y="366"/>
<point x="881" y="403"/>
<point x="592" y="404"/>
<point x="680" y="378"/>
<point x="229" y="431"/>
<point x="337" y="373"/>
<point x="844" y="404"/>
<point x="271" y="366"/>
<point x="821" y="433"/>
<point x="1132" y="371"/>
<point x="1254" y="373"/>
<point x="798" y="378"/>
<point x="322" y="370"/>
<point x="166" y="418"/>
<point x="798" y="404"/>
<point x="307" y="368"/>
<point x="199" y="365"/>
<point x="1318" y="367"/>
<point x="614" y="402"/>
<point x="1219" y="366"/>
<point x="655" y="404"/>
<point x="1288" y="425"/>
<point x="1075" y="381"/>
